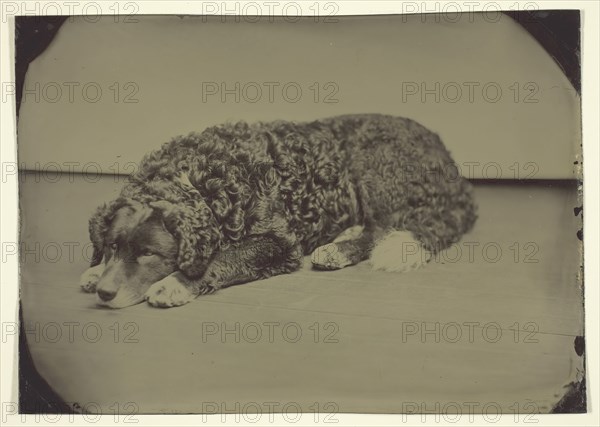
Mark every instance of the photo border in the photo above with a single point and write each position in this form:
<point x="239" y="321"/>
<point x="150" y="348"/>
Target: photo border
<point x="9" y="291"/>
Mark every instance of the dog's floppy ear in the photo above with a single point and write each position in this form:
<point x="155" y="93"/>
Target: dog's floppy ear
<point x="98" y="226"/>
<point x="196" y="231"/>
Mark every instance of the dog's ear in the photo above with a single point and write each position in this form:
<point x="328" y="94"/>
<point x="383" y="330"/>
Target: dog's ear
<point x="98" y="227"/>
<point x="196" y="231"/>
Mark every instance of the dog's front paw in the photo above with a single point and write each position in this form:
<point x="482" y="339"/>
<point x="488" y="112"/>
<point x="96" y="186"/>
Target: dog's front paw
<point x="90" y="278"/>
<point x="169" y="292"/>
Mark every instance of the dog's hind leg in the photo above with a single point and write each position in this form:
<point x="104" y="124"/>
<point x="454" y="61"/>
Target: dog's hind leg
<point x="391" y="250"/>
<point x="350" y="247"/>
<point x="398" y="251"/>
<point x="351" y="233"/>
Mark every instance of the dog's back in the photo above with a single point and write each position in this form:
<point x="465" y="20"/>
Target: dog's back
<point x="325" y="175"/>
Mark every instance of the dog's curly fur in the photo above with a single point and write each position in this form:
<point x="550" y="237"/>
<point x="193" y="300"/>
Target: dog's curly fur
<point x="302" y="183"/>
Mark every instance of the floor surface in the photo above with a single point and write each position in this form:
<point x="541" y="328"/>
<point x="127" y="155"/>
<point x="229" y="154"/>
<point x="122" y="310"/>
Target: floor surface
<point x="492" y="321"/>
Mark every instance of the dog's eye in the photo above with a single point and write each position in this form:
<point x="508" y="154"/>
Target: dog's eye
<point x="147" y="252"/>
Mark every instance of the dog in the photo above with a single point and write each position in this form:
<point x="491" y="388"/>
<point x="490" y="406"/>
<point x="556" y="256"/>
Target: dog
<point x="241" y="202"/>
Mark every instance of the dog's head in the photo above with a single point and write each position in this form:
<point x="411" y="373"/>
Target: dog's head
<point x="142" y="243"/>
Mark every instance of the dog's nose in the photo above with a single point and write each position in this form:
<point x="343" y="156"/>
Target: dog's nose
<point x="106" y="295"/>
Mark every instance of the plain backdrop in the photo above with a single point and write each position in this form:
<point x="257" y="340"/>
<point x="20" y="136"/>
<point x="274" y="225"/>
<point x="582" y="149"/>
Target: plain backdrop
<point x="105" y="93"/>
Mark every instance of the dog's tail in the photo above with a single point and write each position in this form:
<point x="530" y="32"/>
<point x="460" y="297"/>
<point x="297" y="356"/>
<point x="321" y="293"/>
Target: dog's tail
<point x="445" y="218"/>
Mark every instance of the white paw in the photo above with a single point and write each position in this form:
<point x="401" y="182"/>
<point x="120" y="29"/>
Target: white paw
<point x="329" y="257"/>
<point x="168" y="292"/>
<point x="398" y="251"/>
<point x="90" y="277"/>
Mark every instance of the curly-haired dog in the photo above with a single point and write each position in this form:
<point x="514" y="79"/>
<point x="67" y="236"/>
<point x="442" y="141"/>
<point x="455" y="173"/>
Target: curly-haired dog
<point x="241" y="202"/>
